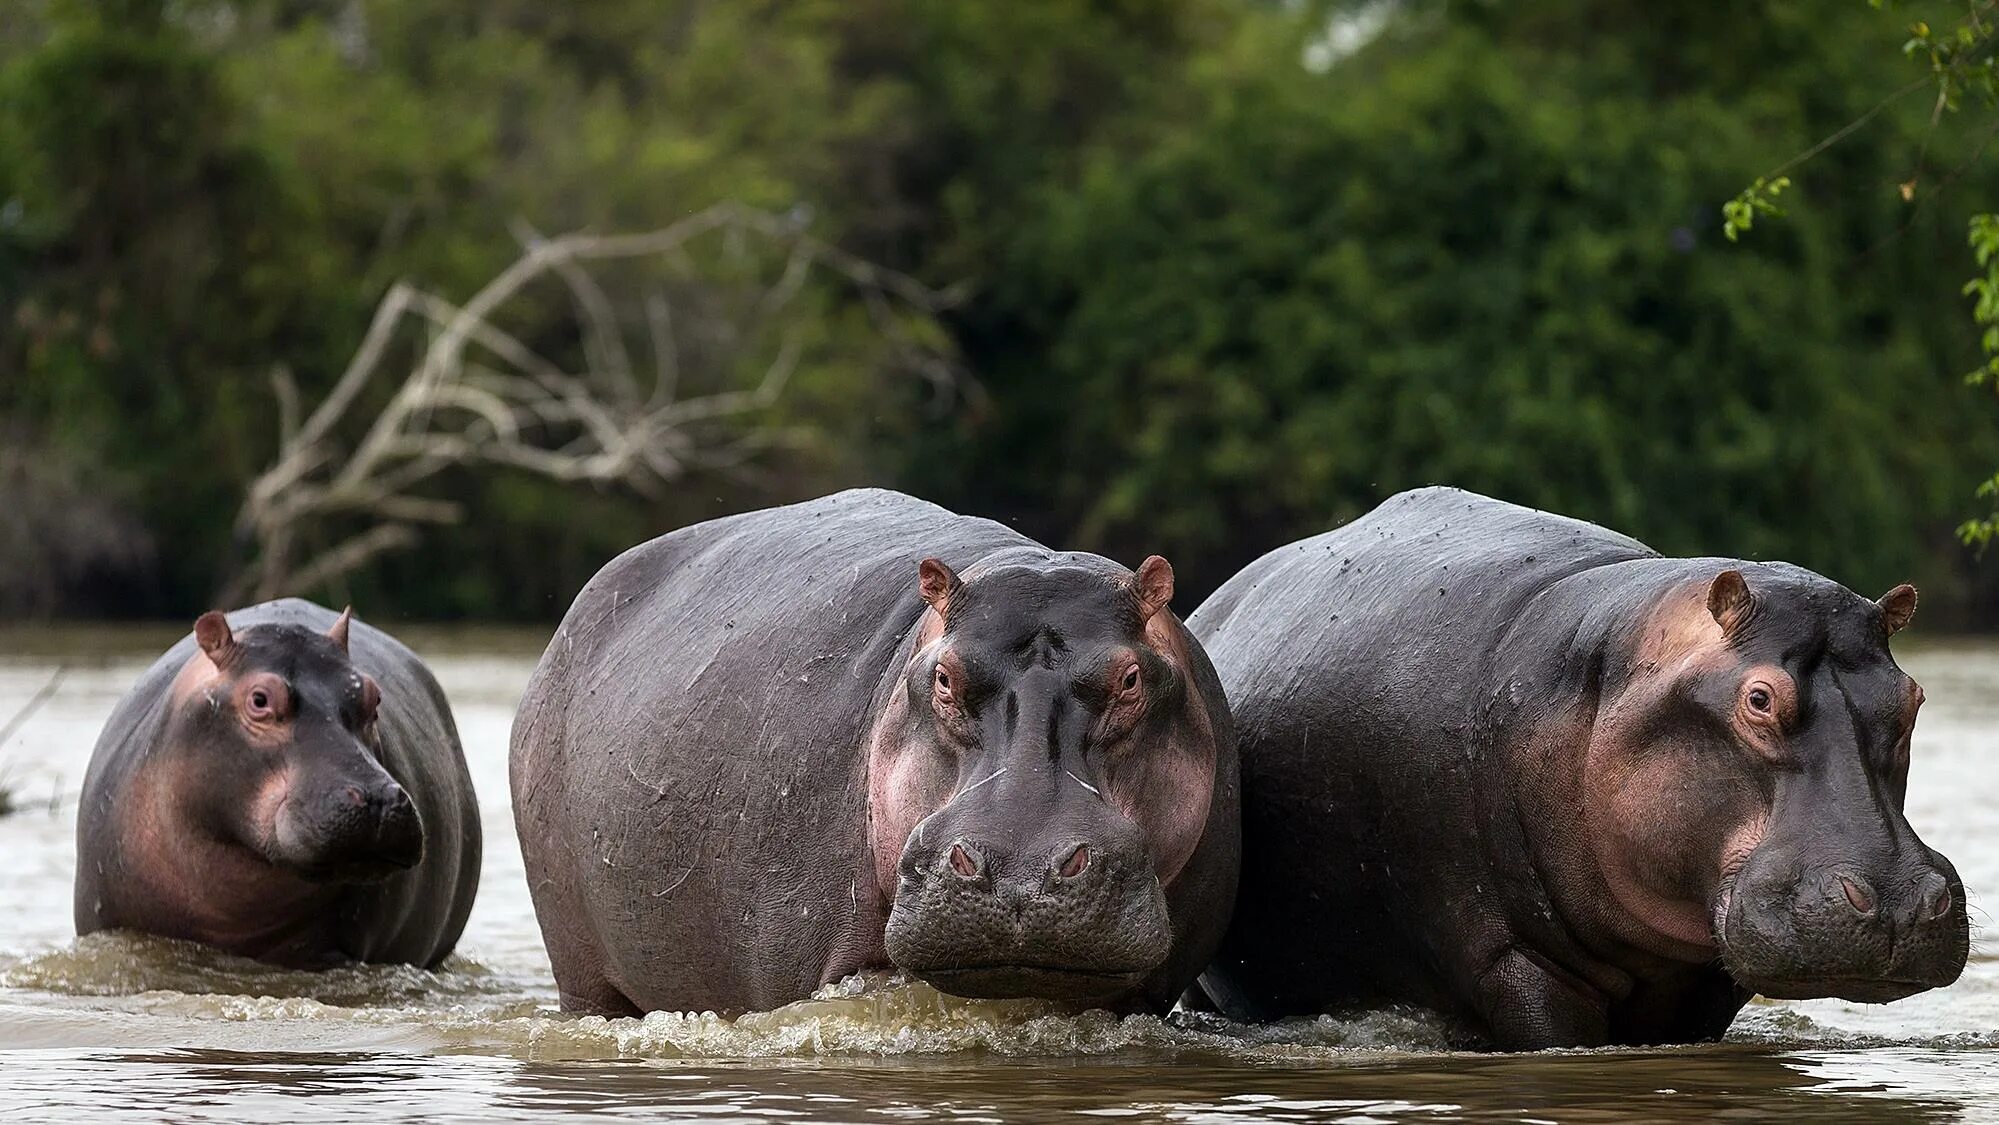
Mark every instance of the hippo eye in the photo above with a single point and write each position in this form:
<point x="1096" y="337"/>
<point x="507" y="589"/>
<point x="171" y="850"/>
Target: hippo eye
<point x="943" y="686"/>
<point x="1130" y="682"/>
<point x="1759" y="700"/>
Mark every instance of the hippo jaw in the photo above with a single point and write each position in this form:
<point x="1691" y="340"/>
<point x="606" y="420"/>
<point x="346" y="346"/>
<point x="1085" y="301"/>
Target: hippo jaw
<point x="986" y="924"/>
<point x="1025" y="944"/>
<point x="346" y="834"/>
<point x="1790" y="947"/>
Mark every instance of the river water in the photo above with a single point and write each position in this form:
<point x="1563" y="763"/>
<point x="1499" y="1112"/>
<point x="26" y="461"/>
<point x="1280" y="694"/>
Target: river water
<point x="118" y="1028"/>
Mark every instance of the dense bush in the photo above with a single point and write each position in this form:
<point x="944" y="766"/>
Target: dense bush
<point x="1486" y="251"/>
<point x="1217" y="297"/>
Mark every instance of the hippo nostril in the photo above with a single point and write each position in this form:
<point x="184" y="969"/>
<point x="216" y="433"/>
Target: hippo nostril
<point x="1935" y="902"/>
<point x="1078" y="861"/>
<point x="1856" y="895"/>
<point x="963" y="862"/>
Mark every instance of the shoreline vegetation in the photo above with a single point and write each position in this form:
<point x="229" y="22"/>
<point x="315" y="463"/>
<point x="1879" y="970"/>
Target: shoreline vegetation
<point x="1221" y="274"/>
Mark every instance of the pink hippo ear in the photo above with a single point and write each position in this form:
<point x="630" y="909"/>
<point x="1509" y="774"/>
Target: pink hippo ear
<point x="1729" y="599"/>
<point x="1897" y="606"/>
<point x="338" y="633"/>
<point x="1154" y="585"/>
<point x="938" y="583"/>
<point x="211" y="632"/>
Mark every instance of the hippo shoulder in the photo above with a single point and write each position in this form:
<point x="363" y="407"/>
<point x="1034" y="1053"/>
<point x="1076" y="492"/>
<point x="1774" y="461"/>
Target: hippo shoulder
<point x="1454" y="516"/>
<point x="1457" y="545"/>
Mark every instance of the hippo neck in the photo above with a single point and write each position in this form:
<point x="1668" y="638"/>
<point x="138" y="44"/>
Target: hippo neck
<point x="1566" y="660"/>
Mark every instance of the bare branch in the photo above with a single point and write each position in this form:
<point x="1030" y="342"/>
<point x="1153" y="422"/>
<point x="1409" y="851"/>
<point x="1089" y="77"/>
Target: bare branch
<point x="349" y="556"/>
<point x="34" y="704"/>
<point x="477" y="394"/>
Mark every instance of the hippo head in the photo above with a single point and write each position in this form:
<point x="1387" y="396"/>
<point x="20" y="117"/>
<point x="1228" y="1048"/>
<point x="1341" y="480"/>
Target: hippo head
<point x="1746" y="790"/>
<point x="1046" y="773"/>
<point x="275" y="748"/>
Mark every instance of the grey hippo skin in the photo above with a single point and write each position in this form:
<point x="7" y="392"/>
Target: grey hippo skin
<point x="766" y="752"/>
<point x="284" y="784"/>
<point x="1526" y="771"/>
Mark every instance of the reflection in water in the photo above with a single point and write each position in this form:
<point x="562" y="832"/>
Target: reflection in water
<point x="1735" y="1083"/>
<point x="134" y="1027"/>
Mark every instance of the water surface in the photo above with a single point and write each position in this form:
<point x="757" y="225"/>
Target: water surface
<point x="113" y="1027"/>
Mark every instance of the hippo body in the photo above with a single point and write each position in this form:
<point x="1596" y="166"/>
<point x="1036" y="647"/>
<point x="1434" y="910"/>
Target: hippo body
<point x="1525" y="771"/>
<point x="768" y="751"/>
<point x="285" y="784"/>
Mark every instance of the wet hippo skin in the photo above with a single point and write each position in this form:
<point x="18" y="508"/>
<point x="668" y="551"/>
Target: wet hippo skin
<point x="1526" y="771"/>
<point x="769" y="751"/>
<point x="285" y="783"/>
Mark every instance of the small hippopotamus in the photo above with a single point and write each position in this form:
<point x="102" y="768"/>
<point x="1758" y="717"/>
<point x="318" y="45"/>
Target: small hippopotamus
<point x="766" y="752"/>
<point x="1529" y="772"/>
<point x="284" y="784"/>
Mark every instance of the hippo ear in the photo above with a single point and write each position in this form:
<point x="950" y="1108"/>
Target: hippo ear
<point x="1154" y="585"/>
<point x="1897" y="606"/>
<point x="211" y="632"/>
<point x="938" y="583"/>
<point x="338" y="634"/>
<point x="1729" y="599"/>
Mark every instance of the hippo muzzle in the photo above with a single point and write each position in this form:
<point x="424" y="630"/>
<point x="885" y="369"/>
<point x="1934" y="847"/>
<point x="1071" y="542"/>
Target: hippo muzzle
<point x="343" y="819"/>
<point x="1794" y="932"/>
<point x="991" y="908"/>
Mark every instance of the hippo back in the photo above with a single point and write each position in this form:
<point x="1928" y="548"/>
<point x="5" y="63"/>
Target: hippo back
<point x="414" y="916"/>
<point x="1342" y="655"/>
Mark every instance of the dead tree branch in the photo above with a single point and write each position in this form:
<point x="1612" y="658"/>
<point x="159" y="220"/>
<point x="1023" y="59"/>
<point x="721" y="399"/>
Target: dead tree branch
<point x="475" y="393"/>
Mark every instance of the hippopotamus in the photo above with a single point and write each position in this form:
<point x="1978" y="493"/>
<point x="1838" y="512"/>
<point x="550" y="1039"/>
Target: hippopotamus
<point x="768" y="752"/>
<point x="284" y="784"/>
<point x="1532" y="774"/>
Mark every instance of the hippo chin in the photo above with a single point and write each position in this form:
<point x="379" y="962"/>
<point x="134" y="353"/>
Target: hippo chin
<point x="284" y="784"/>
<point x="769" y="751"/>
<point x="1526" y="771"/>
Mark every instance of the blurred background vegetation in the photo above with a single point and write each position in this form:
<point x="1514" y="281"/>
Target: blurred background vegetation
<point x="1227" y="272"/>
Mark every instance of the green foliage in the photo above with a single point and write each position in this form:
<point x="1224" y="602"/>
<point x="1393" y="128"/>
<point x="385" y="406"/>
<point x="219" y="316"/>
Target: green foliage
<point x="1961" y="56"/>
<point x="153" y="265"/>
<point x="1984" y="290"/>
<point x="1759" y="198"/>
<point x="1472" y="254"/>
<point x="1217" y="297"/>
<point x="195" y="192"/>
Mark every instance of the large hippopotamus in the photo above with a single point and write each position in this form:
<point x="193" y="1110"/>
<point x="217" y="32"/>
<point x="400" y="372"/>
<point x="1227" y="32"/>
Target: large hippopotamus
<point x="1529" y="772"/>
<point x="284" y="784"/>
<point x="768" y="751"/>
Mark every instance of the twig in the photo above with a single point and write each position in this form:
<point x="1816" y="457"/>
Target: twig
<point x="34" y="704"/>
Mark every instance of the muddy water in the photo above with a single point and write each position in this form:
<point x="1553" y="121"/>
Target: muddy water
<point x="125" y="1028"/>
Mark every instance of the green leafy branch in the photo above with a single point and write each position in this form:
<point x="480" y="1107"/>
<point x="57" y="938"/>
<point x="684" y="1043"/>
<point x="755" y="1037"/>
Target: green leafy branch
<point x="1983" y="290"/>
<point x="1962" y="60"/>
<point x="1759" y="198"/>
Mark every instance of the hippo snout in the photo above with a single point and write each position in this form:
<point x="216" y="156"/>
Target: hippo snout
<point x="1071" y="917"/>
<point x="353" y="834"/>
<point x="398" y="829"/>
<point x="1843" y="931"/>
